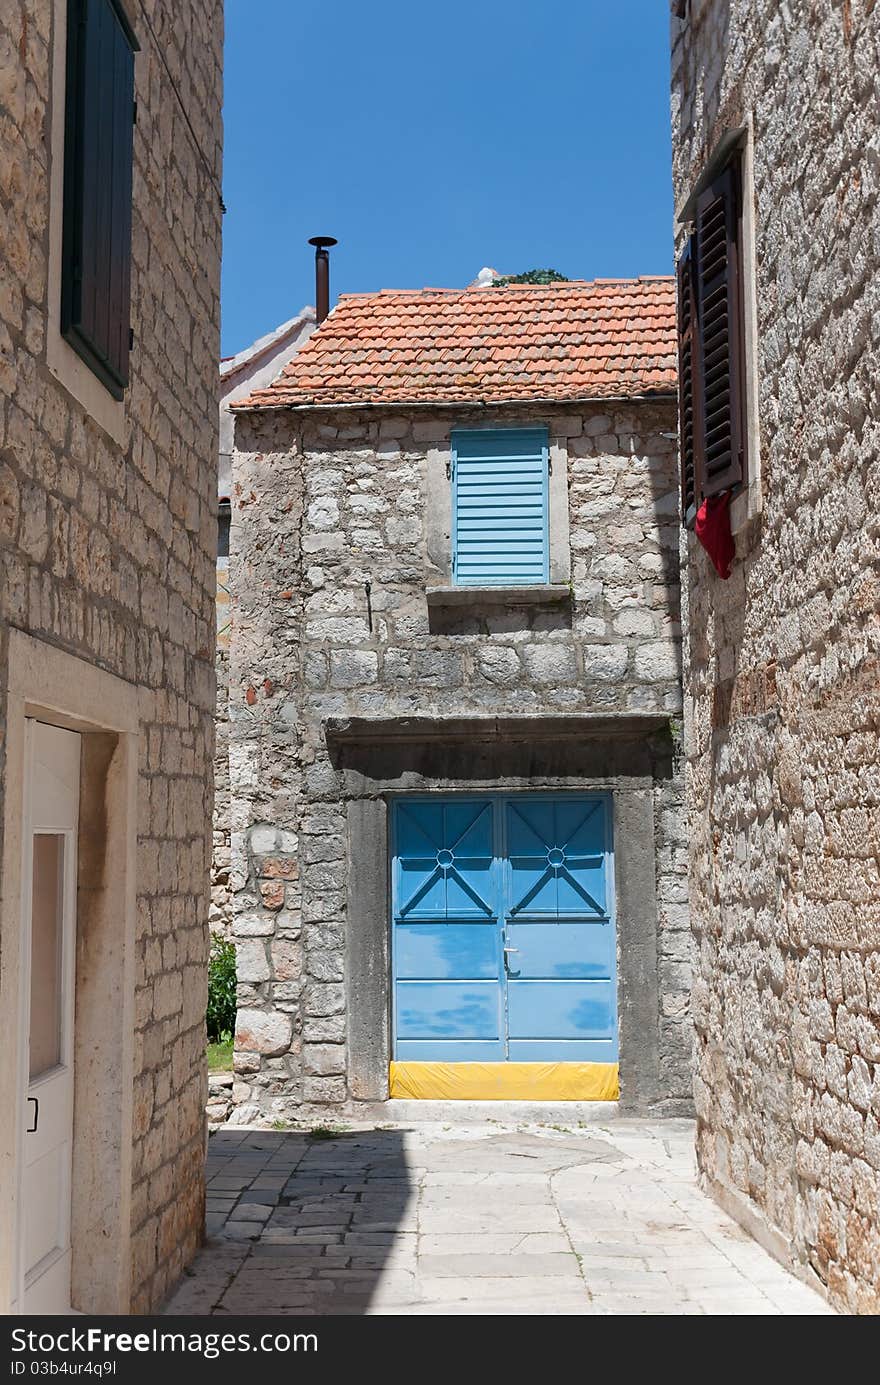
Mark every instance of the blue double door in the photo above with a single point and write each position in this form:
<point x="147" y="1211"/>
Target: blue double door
<point x="503" y="929"/>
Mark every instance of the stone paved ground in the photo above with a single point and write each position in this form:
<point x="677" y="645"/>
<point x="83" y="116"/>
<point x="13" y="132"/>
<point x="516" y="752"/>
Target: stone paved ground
<point x="489" y="1219"/>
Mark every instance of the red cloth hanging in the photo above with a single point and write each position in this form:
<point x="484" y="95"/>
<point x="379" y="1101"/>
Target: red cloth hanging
<point x="712" y="528"/>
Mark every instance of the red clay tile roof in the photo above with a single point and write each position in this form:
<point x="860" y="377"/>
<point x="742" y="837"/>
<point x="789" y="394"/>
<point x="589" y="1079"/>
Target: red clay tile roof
<point x="613" y="338"/>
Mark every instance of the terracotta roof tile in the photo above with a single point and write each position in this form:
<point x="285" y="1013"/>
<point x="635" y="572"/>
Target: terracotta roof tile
<point x="610" y="338"/>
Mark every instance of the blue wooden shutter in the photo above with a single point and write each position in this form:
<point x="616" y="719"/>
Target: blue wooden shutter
<point x="500" y="507"/>
<point x="96" y="269"/>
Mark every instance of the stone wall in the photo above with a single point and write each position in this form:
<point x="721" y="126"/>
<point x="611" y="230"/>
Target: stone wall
<point x="782" y="707"/>
<point x="221" y="895"/>
<point x="254" y="368"/>
<point x="339" y="528"/>
<point x="108" y="550"/>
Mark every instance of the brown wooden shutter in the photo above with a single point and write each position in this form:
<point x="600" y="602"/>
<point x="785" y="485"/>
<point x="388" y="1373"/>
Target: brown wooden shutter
<point x="96" y="272"/>
<point x="689" y="429"/>
<point x="720" y="333"/>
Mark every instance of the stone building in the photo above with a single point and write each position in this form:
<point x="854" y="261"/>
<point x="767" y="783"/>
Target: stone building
<point x="109" y="319"/>
<point x="256" y="366"/>
<point x="775" y="161"/>
<point x="458" y="856"/>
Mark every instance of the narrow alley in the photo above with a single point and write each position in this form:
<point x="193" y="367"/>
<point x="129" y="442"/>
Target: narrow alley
<point x="491" y="1219"/>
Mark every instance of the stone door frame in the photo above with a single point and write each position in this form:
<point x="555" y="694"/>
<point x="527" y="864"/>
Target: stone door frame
<point x="622" y="756"/>
<point x="53" y="686"/>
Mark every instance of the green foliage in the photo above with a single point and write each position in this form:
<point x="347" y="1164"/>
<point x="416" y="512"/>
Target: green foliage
<point x="220" y="1056"/>
<point x="220" y="1015"/>
<point x="533" y="276"/>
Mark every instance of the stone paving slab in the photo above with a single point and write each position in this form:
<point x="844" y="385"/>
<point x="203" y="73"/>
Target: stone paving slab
<point x="498" y="1219"/>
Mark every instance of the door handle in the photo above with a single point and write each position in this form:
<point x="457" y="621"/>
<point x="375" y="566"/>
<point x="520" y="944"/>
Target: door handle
<point x="511" y="949"/>
<point x="32" y="1129"/>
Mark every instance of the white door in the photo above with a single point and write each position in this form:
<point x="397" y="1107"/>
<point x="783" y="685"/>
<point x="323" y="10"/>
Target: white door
<point x="48" y="955"/>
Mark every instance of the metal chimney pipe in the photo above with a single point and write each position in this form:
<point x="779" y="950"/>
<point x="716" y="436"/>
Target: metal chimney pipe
<point x="322" y="275"/>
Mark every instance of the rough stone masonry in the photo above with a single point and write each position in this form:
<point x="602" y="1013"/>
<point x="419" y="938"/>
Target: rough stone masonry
<point x="326" y="504"/>
<point x="782" y="707"/>
<point x="107" y="548"/>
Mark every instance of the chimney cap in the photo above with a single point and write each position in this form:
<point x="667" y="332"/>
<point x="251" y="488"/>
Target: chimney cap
<point x="320" y="241"/>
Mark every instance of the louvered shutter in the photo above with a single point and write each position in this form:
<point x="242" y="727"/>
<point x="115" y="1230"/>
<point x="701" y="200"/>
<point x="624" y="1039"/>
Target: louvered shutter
<point x="500" y="507"/>
<point x="719" y="317"/>
<point x="689" y="425"/>
<point x="96" y="274"/>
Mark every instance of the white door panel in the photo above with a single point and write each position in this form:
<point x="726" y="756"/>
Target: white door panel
<point x="49" y="929"/>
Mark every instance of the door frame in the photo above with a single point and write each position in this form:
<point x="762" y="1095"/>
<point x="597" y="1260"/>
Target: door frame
<point x="50" y="685"/>
<point x="630" y="756"/>
<point x="502" y="884"/>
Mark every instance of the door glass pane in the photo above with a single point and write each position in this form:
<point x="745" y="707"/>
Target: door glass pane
<point x="46" y="935"/>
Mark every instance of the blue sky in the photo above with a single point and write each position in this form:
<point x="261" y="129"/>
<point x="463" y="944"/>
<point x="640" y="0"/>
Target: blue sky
<point x="432" y="139"/>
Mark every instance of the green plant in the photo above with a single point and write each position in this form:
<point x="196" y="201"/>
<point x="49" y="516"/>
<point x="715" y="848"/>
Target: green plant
<point x="532" y="276"/>
<point x="220" y="1016"/>
<point x="220" y="1056"/>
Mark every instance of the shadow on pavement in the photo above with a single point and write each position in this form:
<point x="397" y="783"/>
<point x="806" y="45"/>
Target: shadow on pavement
<point x="298" y="1222"/>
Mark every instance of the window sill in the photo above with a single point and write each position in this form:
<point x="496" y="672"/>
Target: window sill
<point x="546" y="594"/>
<point x="745" y="507"/>
<point x="74" y="375"/>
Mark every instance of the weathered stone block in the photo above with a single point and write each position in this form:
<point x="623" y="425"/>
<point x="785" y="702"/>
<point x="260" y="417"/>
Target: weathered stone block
<point x="605" y="662"/>
<point x="246" y="1062"/>
<point x="500" y="666"/>
<point x="325" y="966"/>
<point x="324" y="999"/>
<point x="631" y="622"/>
<point x="352" y="668"/>
<point x="327" y="1029"/>
<point x="286" y="995"/>
<point x="263" y="838"/>
<point x="278" y="868"/>
<point x="286" y="960"/>
<point x="251" y="962"/>
<point x="553" y="664"/>
<point x="658" y="661"/>
<point x="272" y="893"/>
<point x="324" y="1090"/>
<point x="597" y="425"/>
<point x="403" y="531"/>
<point x="429" y="430"/>
<point x="259" y="1031"/>
<point x="253" y="925"/>
<point x="323" y="514"/>
<point x="324" y="1060"/>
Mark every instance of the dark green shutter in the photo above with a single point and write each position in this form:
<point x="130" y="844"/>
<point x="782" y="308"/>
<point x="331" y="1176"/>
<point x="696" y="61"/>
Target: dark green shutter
<point x="690" y="433"/>
<point x="96" y="275"/>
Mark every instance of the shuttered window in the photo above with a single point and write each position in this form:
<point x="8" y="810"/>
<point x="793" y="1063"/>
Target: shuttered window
<point x="500" y="507"/>
<point x="689" y="433"/>
<point x="710" y="325"/>
<point x="96" y="269"/>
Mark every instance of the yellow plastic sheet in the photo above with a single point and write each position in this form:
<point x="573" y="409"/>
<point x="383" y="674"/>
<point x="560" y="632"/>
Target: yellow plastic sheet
<point x="505" y="1081"/>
